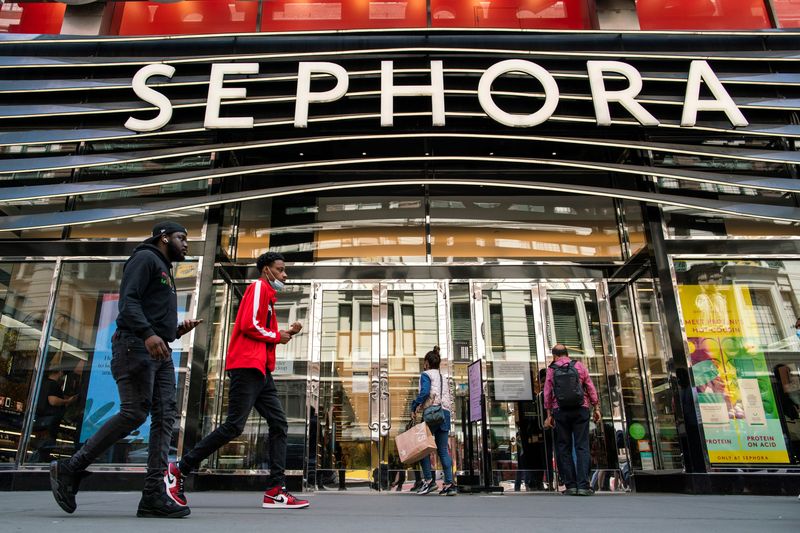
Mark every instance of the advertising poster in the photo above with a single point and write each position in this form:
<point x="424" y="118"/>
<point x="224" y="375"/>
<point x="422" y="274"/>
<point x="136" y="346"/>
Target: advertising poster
<point x="731" y="377"/>
<point x="512" y="381"/>
<point x="475" y="389"/>
<point x="102" y="399"/>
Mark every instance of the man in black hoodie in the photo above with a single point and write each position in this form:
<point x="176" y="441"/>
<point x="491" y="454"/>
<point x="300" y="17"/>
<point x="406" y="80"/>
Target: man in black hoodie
<point x="141" y="364"/>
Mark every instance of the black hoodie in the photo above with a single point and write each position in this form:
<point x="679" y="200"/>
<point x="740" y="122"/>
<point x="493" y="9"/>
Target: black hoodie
<point x="148" y="303"/>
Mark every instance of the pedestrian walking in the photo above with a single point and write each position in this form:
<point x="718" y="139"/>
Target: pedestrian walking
<point x="250" y="363"/>
<point x="571" y="399"/>
<point x="433" y="392"/>
<point x="141" y="364"/>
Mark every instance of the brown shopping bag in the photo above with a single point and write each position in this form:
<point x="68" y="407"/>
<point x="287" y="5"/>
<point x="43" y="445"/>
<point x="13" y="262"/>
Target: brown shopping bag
<point x="415" y="443"/>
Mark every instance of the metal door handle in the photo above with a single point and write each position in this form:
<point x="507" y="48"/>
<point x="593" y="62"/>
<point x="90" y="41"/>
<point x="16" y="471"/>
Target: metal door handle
<point x="373" y="399"/>
<point x="386" y="405"/>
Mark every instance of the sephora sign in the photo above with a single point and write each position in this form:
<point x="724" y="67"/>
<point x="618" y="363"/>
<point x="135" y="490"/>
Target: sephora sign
<point x="699" y="72"/>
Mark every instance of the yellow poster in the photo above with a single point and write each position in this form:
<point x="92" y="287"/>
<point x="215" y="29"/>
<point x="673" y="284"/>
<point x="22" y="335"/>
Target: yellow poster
<point x="731" y="377"/>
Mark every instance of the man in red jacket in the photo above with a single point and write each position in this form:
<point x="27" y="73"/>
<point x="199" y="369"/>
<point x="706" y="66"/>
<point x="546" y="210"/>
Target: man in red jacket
<point x="250" y="363"/>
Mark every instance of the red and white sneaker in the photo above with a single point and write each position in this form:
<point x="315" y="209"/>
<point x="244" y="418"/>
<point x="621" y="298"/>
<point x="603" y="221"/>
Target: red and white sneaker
<point x="173" y="483"/>
<point x="279" y="498"/>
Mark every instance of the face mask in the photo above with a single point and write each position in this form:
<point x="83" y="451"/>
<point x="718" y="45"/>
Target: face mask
<point x="798" y="333"/>
<point x="274" y="283"/>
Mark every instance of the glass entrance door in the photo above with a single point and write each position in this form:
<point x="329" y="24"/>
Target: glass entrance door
<point x="366" y="360"/>
<point x="516" y="325"/>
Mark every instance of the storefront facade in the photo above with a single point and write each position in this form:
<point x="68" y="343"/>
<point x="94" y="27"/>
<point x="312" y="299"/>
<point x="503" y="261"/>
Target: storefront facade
<point x="631" y="194"/>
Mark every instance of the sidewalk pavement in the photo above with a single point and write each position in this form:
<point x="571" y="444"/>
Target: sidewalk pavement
<point x="362" y="512"/>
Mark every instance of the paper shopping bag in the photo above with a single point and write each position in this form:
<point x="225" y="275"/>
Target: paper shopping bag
<point x="414" y="444"/>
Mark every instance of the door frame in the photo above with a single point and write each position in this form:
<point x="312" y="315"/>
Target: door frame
<point x="380" y="410"/>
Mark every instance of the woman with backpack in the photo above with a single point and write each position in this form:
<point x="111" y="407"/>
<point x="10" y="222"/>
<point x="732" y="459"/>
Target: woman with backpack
<point x="436" y="402"/>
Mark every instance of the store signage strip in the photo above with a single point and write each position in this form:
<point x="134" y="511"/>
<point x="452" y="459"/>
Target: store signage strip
<point x="699" y="72"/>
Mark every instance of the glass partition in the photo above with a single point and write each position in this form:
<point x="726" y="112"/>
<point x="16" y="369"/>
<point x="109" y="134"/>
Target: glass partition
<point x="740" y="324"/>
<point x="77" y="364"/>
<point x="24" y="296"/>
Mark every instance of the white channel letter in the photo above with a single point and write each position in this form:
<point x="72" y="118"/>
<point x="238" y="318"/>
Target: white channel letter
<point x="216" y="93"/>
<point x="526" y="67"/>
<point x="388" y="91"/>
<point x="626" y="97"/>
<point x="701" y="71"/>
<point x="304" y="94"/>
<point x="151" y="96"/>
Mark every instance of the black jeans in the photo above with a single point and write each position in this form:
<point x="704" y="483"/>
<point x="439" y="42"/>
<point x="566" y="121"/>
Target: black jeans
<point x="572" y="425"/>
<point x="249" y="388"/>
<point x="146" y="387"/>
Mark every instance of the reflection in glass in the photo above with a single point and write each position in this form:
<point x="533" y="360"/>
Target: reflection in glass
<point x="250" y="449"/>
<point x="24" y="295"/>
<point x="573" y="319"/>
<point x="744" y="352"/>
<point x="651" y="425"/>
<point x="514" y="411"/>
<point x="702" y="14"/>
<point x="31" y="18"/>
<point x="77" y="364"/>
<point x="413" y="330"/>
<point x="309" y="228"/>
<point x="364" y="406"/>
<point x="470" y="228"/>
<point x="518" y="14"/>
<point x="345" y="451"/>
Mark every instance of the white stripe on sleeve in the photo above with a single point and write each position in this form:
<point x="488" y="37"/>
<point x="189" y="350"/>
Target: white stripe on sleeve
<point x="256" y="301"/>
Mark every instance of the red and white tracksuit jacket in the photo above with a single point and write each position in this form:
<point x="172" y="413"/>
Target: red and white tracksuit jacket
<point x="255" y="332"/>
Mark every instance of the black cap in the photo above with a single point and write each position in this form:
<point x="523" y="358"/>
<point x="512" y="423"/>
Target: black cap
<point x="165" y="228"/>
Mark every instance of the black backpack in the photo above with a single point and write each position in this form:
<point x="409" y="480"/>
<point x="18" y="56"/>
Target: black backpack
<point x="567" y="386"/>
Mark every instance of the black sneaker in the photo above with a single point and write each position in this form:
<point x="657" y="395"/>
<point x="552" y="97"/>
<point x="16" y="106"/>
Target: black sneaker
<point x="64" y="483"/>
<point x="585" y="492"/>
<point x="449" y="490"/>
<point x="427" y="487"/>
<point x="159" y="505"/>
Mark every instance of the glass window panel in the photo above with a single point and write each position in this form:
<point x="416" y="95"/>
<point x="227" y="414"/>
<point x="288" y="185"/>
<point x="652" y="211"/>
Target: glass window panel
<point x="77" y="364"/>
<point x="334" y="229"/>
<point x="24" y="295"/>
<point x="702" y="14"/>
<point x="140" y="228"/>
<point x="288" y="15"/>
<point x="31" y="17"/>
<point x="187" y="17"/>
<point x="522" y="14"/>
<point x="745" y="357"/>
<point x="788" y="13"/>
<point x="33" y="207"/>
<point x="469" y="228"/>
<point x="702" y="224"/>
<point x="634" y="225"/>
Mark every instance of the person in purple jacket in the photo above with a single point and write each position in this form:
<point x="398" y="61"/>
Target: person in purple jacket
<point x="571" y="400"/>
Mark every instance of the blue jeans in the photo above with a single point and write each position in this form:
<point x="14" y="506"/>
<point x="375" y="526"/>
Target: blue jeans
<point x="440" y="435"/>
